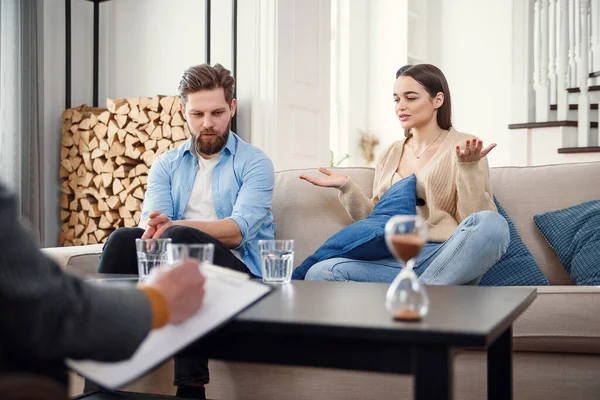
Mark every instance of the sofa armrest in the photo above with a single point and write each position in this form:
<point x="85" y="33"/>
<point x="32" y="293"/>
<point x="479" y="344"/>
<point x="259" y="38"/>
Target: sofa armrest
<point x="76" y="259"/>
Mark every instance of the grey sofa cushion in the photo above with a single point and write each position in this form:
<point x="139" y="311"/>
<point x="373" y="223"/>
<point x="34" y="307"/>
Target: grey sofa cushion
<point x="561" y="319"/>
<point x="76" y="259"/>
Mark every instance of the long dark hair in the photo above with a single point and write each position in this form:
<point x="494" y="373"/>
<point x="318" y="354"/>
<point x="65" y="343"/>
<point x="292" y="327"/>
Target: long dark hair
<point x="434" y="81"/>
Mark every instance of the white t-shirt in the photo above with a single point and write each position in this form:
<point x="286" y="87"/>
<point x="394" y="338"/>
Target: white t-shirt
<point x="200" y="206"/>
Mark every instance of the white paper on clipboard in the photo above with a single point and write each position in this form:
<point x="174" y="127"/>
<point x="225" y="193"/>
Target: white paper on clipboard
<point x="227" y="293"/>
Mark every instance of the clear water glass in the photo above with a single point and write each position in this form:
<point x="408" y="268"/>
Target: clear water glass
<point x="177" y="252"/>
<point x="150" y="253"/>
<point x="277" y="260"/>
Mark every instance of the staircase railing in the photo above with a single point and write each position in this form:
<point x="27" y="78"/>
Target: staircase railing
<point x="566" y="44"/>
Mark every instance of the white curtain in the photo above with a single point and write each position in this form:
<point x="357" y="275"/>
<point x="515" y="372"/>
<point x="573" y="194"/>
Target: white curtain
<point x="21" y="155"/>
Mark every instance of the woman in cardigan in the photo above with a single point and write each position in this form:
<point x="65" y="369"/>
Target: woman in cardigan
<point x="454" y="195"/>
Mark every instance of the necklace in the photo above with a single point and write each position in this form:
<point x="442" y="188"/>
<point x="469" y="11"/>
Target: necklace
<point x="426" y="148"/>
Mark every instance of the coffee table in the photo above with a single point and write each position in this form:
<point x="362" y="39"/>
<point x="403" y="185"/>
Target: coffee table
<point x="346" y="326"/>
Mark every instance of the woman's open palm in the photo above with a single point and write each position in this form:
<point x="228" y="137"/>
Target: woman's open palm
<point x="331" y="179"/>
<point x="473" y="151"/>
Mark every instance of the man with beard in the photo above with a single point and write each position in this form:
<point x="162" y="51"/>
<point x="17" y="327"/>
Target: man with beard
<point x="214" y="188"/>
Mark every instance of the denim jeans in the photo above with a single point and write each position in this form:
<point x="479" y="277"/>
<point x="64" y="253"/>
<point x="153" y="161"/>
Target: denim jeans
<point x="119" y="257"/>
<point x="476" y="245"/>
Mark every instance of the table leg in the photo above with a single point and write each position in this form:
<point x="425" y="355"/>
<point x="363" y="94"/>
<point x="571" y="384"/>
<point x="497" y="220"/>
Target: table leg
<point x="500" y="377"/>
<point x="433" y="371"/>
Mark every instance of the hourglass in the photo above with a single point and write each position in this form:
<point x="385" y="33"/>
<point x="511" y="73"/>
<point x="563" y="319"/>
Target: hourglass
<point x="406" y="298"/>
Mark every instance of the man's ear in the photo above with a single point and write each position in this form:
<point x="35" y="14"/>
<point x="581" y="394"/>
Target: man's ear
<point x="233" y="107"/>
<point x="182" y="108"/>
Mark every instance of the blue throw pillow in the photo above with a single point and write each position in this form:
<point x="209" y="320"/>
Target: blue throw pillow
<point x="574" y="234"/>
<point x="365" y="239"/>
<point x="517" y="266"/>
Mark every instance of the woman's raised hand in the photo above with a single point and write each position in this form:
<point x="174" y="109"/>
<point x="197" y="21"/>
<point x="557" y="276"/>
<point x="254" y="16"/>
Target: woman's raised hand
<point x="331" y="179"/>
<point x="473" y="151"/>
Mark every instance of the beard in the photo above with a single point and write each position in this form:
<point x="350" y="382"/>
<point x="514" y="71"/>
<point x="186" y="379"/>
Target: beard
<point x="210" y="146"/>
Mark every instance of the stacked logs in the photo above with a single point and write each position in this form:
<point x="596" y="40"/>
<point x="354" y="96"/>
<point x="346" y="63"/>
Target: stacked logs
<point x="105" y="158"/>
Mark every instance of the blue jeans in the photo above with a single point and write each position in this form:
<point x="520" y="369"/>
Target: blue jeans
<point x="476" y="245"/>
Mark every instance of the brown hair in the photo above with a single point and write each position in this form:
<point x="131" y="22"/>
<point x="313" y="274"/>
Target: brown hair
<point x="434" y="81"/>
<point x="205" y="77"/>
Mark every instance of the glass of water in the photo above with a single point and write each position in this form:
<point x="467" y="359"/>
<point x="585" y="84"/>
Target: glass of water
<point x="277" y="260"/>
<point x="150" y="253"/>
<point x="177" y="252"/>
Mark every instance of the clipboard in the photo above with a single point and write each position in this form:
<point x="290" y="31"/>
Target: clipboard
<point x="228" y="293"/>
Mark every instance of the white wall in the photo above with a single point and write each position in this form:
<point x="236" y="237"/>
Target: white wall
<point x="373" y="45"/>
<point x="246" y="54"/>
<point x="463" y="37"/>
<point x="352" y="75"/>
<point x="388" y="52"/>
<point x="151" y="43"/>
<point x="474" y="39"/>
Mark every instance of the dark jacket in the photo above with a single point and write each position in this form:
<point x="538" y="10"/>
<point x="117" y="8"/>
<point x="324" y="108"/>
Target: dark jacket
<point x="47" y="315"/>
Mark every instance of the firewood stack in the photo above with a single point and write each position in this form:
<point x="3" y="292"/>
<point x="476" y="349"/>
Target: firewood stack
<point x="105" y="158"/>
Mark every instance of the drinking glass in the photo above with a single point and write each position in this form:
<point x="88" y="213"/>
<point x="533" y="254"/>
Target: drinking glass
<point x="406" y="299"/>
<point x="277" y="260"/>
<point x="177" y="252"/>
<point x="150" y="253"/>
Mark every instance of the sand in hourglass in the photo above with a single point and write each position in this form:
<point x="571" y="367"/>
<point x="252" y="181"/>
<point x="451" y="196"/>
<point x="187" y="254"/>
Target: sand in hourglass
<point x="407" y="247"/>
<point x="407" y="314"/>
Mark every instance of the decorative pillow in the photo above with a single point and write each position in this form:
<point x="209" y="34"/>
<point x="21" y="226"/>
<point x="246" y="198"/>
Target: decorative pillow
<point x="574" y="234"/>
<point x="365" y="239"/>
<point x="516" y="267"/>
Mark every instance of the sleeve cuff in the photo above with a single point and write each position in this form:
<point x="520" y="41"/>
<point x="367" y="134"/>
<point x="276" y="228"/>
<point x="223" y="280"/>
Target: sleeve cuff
<point x="159" y="306"/>
<point x="468" y="166"/>
<point x="243" y="225"/>
<point x="143" y="223"/>
<point x="348" y="186"/>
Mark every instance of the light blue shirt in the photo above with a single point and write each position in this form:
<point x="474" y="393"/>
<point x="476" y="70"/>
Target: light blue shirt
<point x="242" y="189"/>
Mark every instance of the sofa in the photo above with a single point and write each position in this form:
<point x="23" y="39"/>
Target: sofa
<point x="556" y="341"/>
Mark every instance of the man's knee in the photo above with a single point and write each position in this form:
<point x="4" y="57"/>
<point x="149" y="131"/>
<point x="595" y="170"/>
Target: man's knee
<point x="124" y="236"/>
<point x="186" y="234"/>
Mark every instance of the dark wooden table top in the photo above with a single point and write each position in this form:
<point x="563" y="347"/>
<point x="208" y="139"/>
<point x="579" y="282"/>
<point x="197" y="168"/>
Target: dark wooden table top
<point x="464" y="316"/>
<point x="458" y="315"/>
